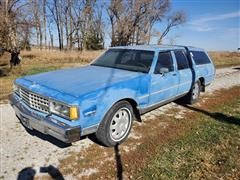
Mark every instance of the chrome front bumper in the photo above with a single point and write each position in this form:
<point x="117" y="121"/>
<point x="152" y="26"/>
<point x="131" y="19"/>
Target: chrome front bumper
<point x="43" y="123"/>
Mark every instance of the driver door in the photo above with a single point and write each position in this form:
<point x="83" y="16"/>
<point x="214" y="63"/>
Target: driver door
<point x="164" y="80"/>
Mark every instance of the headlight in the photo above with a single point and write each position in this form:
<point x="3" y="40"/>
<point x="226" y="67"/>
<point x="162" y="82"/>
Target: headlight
<point x="63" y="110"/>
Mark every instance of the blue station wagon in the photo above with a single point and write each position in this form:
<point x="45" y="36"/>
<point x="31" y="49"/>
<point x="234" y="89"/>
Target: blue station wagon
<point x="106" y="96"/>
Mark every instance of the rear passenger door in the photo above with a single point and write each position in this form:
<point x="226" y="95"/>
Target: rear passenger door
<point x="163" y="85"/>
<point x="184" y="72"/>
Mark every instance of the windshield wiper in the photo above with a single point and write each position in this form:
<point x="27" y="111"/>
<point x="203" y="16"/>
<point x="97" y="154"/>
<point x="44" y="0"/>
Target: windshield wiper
<point x="101" y="65"/>
<point x="116" y="67"/>
<point x="133" y="70"/>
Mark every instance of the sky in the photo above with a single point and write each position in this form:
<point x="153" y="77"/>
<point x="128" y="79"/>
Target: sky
<point x="211" y="24"/>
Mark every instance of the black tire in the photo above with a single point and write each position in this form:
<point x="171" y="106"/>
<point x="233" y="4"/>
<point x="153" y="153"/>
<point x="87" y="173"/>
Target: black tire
<point x="103" y="134"/>
<point x="193" y="95"/>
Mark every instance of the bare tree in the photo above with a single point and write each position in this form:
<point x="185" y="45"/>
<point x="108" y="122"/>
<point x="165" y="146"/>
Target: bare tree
<point x="81" y="23"/>
<point x="172" y="21"/>
<point x="68" y="8"/>
<point x="38" y="22"/>
<point x="50" y="44"/>
<point x="85" y="25"/>
<point x="55" y="9"/>
<point x="44" y="4"/>
<point x="156" y="13"/>
<point x="9" y="10"/>
<point x="132" y="20"/>
<point x="15" y="28"/>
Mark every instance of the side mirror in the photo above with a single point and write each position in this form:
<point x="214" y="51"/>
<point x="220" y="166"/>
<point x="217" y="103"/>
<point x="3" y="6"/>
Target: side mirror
<point x="163" y="71"/>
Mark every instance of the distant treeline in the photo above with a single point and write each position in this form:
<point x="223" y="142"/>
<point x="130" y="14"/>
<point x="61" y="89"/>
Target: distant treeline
<point x="84" y="24"/>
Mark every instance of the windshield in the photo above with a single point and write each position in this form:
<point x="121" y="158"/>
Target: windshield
<point x="127" y="59"/>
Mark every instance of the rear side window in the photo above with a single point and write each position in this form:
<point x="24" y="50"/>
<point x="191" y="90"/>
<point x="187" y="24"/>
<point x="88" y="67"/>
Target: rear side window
<point x="182" y="61"/>
<point x="200" y="57"/>
<point x="164" y="61"/>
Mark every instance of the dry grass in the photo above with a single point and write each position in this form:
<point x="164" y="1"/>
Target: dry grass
<point x="225" y="59"/>
<point x="55" y="56"/>
<point x="37" y="61"/>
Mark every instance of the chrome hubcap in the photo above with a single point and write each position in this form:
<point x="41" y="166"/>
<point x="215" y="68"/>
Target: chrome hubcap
<point x="195" y="91"/>
<point x="120" y="124"/>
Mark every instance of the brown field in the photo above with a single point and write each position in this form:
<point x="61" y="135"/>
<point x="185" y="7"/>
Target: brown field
<point x="37" y="61"/>
<point x="225" y="59"/>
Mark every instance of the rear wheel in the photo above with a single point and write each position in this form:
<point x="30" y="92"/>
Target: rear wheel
<point x="193" y="95"/>
<point x="116" y="125"/>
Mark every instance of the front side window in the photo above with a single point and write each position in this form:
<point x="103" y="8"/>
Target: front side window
<point x="200" y="57"/>
<point x="182" y="61"/>
<point x="127" y="59"/>
<point x="164" y="61"/>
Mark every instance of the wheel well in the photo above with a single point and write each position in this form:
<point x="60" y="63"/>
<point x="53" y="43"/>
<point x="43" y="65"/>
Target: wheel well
<point x="202" y="82"/>
<point x="134" y="106"/>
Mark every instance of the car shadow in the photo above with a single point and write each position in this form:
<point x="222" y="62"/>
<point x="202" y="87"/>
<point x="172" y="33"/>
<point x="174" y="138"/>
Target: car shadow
<point x="237" y="68"/>
<point x="118" y="160"/>
<point x="48" y="138"/>
<point x="215" y="115"/>
<point x="29" y="173"/>
<point x="119" y="167"/>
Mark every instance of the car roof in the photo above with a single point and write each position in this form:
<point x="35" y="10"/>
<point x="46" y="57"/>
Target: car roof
<point x="157" y="47"/>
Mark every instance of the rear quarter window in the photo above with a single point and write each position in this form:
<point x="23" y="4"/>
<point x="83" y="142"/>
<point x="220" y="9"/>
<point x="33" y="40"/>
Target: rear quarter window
<point x="200" y="57"/>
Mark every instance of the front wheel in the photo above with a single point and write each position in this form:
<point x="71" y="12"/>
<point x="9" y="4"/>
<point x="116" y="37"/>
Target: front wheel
<point x="116" y="125"/>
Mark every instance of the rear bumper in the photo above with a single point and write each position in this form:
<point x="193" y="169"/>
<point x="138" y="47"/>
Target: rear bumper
<point x="44" y="123"/>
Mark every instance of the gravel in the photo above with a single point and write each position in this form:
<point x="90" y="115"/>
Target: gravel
<point x="19" y="149"/>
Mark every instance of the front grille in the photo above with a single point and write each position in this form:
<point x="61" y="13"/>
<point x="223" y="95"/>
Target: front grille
<point x="34" y="101"/>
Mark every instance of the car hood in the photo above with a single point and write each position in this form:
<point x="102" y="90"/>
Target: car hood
<point x="82" y="80"/>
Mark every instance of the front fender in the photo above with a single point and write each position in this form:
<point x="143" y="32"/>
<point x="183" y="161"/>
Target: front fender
<point x="95" y="105"/>
<point x="113" y="96"/>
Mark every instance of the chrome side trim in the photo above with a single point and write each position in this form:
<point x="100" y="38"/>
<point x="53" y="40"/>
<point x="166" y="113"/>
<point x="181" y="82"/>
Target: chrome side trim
<point x="200" y="65"/>
<point x="156" y="92"/>
<point x="144" y="96"/>
<point x="90" y="113"/>
<point x="161" y="103"/>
